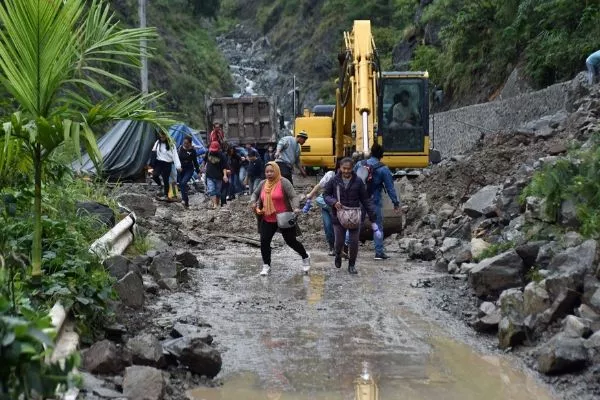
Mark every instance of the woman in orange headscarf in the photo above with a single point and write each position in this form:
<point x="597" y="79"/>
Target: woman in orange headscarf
<point x="276" y="195"/>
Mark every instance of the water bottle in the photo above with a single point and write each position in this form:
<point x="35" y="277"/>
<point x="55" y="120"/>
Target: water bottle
<point x="307" y="206"/>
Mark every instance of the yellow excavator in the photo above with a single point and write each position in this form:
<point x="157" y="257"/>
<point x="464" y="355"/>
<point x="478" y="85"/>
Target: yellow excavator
<point x="391" y="108"/>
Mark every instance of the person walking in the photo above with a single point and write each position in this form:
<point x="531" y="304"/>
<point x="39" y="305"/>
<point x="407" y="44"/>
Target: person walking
<point x="326" y="216"/>
<point x="288" y="152"/>
<point x="269" y="154"/>
<point x="380" y="178"/>
<point x="216" y="172"/>
<point x="217" y="135"/>
<point x="593" y="66"/>
<point x="189" y="164"/>
<point x="276" y="195"/>
<point x="166" y="157"/>
<point x="234" y="161"/>
<point x="347" y="192"/>
<point x="256" y="170"/>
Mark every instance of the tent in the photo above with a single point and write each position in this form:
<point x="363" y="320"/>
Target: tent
<point x="126" y="148"/>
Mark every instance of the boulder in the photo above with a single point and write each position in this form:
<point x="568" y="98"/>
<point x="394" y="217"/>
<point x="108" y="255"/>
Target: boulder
<point x="509" y="202"/>
<point x="146" y="350"/>
<point x="568" y="214"/>
<point x="102" y="215"/>
<point x="194" y="353"/>
<point x="529" y="252"/>
<point x="561" y="355"/>
<point x="104" y="358"/>
<point x="117" y="266"/>
<point x="188" y="260"/>
<point x="577" y="260"/>
<point x="181" y="330"/>
<point x="574" y="327"/>
<point x="511" y="329"/>
<point x="535" y="298"/>
<point x="131" y="290"/>
<point x="144" y="383"/>
<point x="478" y="246"/>
<point x="142" y="205"/>
<point x="150" y="285"/>
<point x="488" y="319"/>
<point x="164" y="265"/>
<point x="545" y="254"/>
<point x="514" y="231"/>
<point x="536" y="209"/>
<point x="572" y="239"/>
<point x="492" y="275"/>
<point x="483" y="203"/>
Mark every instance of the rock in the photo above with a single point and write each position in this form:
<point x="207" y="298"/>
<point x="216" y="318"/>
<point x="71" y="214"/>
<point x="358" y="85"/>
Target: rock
<point x="107" y="393"/>
<point x="142" y="205"/>
<point x="451" y="247"/>
<point x="511" y="329"/>
<point x="164" y="265"/>
<point x="593" y="341"/>
<point x="535" y="298"/>
<point x="181" y="330"/>
<point x="117" y="266"/>
<point x="545" y="254"/>
<point x="568" y="214"/>
<point x="557" y="148"/>
<point x="194" y="353"/>
<point x="478" y="246"/>
<point x="188" y="260"/>
<point x="445" y="211"/>
<point x="492" y="275"/>
<point x="441" y="265"/>
<point x="453" y="267"/>
<point x="406" y="243"/>
<point x="104" y="358"/>
<point x="466" y="268"/>
<point x="150" y="285"/>
<point x="131" y="290"/>
<point x="484" y="202"/>
<point x="489" y="318"/>
<point x="514" y="231"/>
<point x="146" y="350"/>
<point x="535" y="209"/>
<point x="562" y="354"/>
<point x="586" y="312"/>
<point x="463" y="257"/>
<point x="576" y="327"/>
<point x="509" y="202"/>
<point x="102" y="215"/>
<point x="422" y="251"/>
<point x="143" y="383"/>
<point x="572" y="239"/>
<point x="529" y="252"/>
<point x="168" y="283"/>
<point x="142" y="260"/>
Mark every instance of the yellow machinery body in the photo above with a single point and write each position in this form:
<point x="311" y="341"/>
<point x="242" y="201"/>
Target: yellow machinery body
<point x="367" y="110"/>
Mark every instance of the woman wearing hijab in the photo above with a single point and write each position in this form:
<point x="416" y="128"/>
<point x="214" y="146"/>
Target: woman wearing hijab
<point x="166" y="156"/>
<point x="273" y="196"/>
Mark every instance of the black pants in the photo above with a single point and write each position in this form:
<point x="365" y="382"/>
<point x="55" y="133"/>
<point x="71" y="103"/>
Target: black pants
<point x="286" y="171"/>
<point x="162" y="169"/>
<point x="340" y="237"/>
<point x="268" y="230"/>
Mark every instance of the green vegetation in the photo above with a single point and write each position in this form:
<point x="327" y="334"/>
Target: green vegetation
<point x="574" y="181"/>
<point x="494" y="249"/>
<point x="186" y="63"/>
<point x="482" y="41"/>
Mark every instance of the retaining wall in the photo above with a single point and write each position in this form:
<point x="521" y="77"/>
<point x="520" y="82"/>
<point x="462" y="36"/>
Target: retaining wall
<point x="458" y="130"/>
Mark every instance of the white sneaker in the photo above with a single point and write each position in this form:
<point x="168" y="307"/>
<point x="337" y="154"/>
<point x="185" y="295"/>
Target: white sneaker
<point x="266" y="270"/>
<point x="306" y="264"/>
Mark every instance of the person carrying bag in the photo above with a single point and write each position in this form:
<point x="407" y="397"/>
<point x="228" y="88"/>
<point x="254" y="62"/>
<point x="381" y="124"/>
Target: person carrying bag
<point x="346" y="193"/>
<point x="276" y="202"/>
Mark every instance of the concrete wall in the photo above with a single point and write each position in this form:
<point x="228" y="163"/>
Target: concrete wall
<point x="458" y="130"/>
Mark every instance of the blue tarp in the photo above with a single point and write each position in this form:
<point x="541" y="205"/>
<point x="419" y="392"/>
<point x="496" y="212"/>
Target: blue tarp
<point x="179" y="131"/>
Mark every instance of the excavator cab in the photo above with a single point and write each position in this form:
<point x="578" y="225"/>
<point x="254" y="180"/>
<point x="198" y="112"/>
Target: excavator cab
<point x="403" y="120"/>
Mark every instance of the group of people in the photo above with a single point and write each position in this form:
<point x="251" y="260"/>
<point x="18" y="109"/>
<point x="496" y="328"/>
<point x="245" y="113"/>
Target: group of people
<point x="354" y="187"/>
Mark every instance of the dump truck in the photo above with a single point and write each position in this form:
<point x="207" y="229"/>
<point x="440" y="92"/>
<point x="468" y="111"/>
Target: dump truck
<point x="250" y="119"/>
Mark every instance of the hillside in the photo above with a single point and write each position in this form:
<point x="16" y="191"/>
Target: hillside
<point x="469" y="48"/>
<point x="186" y="64"/>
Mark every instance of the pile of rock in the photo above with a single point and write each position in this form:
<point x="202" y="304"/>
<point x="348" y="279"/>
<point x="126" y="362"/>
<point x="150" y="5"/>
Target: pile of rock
<point x="139" y="368"/>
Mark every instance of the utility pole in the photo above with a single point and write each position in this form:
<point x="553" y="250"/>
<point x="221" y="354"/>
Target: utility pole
<point x="143" y="46"/>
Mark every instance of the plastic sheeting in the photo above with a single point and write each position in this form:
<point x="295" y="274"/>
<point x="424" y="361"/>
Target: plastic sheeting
<point x="126" y="148"/>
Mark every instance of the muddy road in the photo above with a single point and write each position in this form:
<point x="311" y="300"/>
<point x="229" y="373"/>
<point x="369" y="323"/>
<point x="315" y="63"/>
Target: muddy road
<point x="296" y="336"/>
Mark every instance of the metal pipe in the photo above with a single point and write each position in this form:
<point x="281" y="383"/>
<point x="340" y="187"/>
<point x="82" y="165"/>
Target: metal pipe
<point x="113" y="242"/>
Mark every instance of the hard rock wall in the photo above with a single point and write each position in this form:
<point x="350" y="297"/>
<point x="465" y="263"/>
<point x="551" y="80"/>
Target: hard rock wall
<point x="456" y="131"/>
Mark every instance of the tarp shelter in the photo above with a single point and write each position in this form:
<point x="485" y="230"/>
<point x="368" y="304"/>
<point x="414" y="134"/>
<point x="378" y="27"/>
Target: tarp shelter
<point x="125" y="151"/>
<point x="180" y="131"/>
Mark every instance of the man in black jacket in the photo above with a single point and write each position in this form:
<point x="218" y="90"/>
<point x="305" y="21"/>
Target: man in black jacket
<point x="189" y="163"/>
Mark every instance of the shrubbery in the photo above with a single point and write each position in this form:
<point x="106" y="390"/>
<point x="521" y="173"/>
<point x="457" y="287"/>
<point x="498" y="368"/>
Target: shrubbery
<point x="575" y="180"/>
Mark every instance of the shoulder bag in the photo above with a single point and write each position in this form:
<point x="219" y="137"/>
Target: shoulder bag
<point x="349" y="217"/>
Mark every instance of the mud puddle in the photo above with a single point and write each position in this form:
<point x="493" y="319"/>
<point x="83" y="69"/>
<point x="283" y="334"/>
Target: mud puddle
<point x="291" y="336"/>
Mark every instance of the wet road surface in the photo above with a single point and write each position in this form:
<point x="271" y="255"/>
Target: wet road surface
<point x="292" y="336"/>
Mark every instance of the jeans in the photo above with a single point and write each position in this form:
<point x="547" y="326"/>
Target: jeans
<point x="379" y="242"/>
<point x="340" y="235"/>
<point x="184" y="177"/>
<point x="213" y="187"/>
<point x="253" y="183"/>
<point x="286" y="171"/>
<point x="233" y="185"/>
<point x="328" y="226"/>
<point x="162" y="169"/>
<point x="268" y="230"/>
<point x="242" y="177"/>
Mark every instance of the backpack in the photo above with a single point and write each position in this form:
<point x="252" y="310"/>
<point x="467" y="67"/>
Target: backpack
<point x="366" y="172"/>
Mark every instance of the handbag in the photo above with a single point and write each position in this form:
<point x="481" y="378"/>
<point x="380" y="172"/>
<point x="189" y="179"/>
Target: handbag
<point x="349" y="217"/>
<point x="286" y="220"/>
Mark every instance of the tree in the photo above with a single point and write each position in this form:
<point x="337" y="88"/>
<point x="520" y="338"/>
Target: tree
<point x="52" y="53"/>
